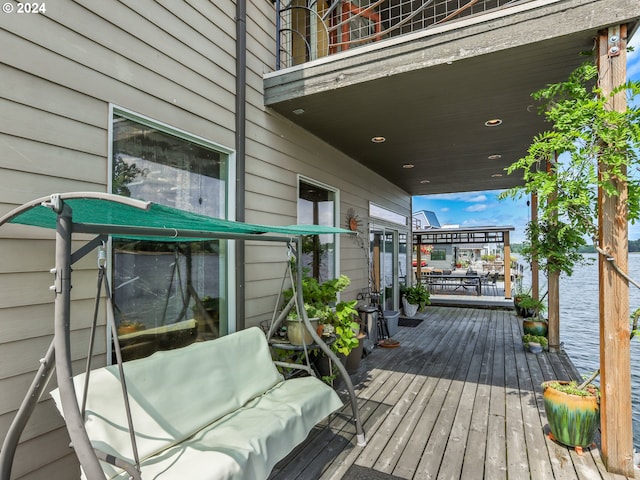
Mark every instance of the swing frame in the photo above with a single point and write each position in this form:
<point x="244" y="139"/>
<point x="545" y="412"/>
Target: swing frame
<point x="58" y="355"/>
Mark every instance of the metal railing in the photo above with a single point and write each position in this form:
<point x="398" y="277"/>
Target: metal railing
<point x="311" y="29"/>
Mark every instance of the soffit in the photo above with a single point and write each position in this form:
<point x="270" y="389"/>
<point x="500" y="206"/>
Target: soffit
<point x="430" y="96"/>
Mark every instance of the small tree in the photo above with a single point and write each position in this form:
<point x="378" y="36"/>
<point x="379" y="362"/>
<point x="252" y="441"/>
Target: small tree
<point x="586" y="133"/>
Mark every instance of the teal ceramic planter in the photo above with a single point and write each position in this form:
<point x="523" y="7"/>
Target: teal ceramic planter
<point x="535" y="327"/>
<point x="573" y="419"/>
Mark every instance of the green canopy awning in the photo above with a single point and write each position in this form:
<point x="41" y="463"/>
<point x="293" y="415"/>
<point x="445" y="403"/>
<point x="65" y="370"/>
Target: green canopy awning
<point x="128" y="218"/>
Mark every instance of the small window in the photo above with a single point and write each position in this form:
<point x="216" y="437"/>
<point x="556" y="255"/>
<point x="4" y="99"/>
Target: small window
<point x="317" y="206"/>
<point x="438" y="254"/>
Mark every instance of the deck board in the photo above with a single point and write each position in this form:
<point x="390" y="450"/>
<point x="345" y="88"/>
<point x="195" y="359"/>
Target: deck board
<point x="459" y="399"/>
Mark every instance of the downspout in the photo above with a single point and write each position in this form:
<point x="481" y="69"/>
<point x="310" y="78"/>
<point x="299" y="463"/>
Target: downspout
<point x="241" y="93"/>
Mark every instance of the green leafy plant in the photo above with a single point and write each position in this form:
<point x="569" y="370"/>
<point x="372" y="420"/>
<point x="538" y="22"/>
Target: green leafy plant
<point x="586" y="133"/>
<point x="534" y="307"/>
<point x="527" y="338"/>
<point x="319" y="296"/>
<point x="346" y="327"/>
<point x="417" y="295"/>
<point x="320" y="301"/>
<point x="584" y="389"/>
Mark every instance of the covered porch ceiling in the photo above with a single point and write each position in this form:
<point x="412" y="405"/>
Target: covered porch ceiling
<point x="430" y="93"/>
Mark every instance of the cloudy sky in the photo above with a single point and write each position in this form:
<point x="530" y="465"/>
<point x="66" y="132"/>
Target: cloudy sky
<point x="483" y="208"/>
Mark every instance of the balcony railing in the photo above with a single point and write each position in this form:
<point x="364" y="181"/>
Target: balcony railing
<point x="311" y="29"/>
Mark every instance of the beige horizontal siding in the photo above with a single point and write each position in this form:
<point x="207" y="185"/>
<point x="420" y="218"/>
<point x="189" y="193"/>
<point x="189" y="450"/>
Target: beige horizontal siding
<point x="18" y="384"/>
<point x="14" y="293"/>
<point x="24" y="356"/>
<point x="51" y="129"/>
<point x="45" y="465"/>
<point x="41" y="256"/>
<point x="19" y="323"/>
<point x="28" y="155"/>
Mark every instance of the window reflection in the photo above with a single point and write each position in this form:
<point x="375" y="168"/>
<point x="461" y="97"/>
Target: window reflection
<point x="168" y="295"/>
<point x="316" y="206"/>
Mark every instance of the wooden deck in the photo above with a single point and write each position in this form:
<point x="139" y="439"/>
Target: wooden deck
<point x="459" y="399"/>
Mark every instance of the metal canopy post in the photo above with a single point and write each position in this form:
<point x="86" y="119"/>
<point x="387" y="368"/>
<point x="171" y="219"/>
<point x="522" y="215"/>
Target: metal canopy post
<point x="61" y="340"/>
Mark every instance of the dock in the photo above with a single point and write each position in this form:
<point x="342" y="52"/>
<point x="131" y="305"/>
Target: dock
<point x="460" y="398"/>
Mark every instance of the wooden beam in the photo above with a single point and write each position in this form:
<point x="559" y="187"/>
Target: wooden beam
<point x="535" y="270"/>
<point x="507" y="266"/>
<point x="418" y="246"/>
<point x="615" y="367"/>
<point x="553" y="294"/>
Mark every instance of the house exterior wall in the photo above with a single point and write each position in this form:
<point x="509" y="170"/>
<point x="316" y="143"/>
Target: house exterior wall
<point x="173" y="62"/>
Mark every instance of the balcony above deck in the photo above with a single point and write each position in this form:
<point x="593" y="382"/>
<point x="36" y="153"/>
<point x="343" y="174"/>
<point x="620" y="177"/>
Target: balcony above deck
<point x="428" y="93"/>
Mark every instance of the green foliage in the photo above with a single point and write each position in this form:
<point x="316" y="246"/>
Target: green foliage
<point x="346" y="328"/>
<point x="534" y="305"/>
<point x="319" y="299"/>
<point x="535" y="339"/>
<point x="124" y="174"/>
<point x="585" y="132"/>
<point x="572" y="388"/>
<point x="417" y="295"/>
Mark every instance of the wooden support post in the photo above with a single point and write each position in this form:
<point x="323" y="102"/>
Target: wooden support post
<point x="418" y="258"/>
<point x="553" y="295"/>
<point x="553" y="307"/>
<point x="535" y="270"/>
<point x="507" y="266"/>
<point x="615" y="368"/>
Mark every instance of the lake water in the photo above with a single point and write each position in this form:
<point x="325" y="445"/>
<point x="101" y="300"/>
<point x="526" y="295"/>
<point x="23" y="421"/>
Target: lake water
<point x="579" y="324"/>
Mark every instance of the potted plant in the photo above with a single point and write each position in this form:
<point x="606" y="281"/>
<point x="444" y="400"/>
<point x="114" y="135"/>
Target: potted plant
<point x="320" y="303"/>
<point x="573" y="411"/>
<point x="415" y="298"/>
<point x="528" y="340"/>
<point x="533" y="323"/>
<point x="297" y="332"/>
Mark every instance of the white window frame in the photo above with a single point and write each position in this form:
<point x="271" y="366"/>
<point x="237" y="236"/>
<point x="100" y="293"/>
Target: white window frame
<point x="336" y="212"/>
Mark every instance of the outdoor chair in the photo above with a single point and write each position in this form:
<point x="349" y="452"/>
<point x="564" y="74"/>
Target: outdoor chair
<point x="471" y="282"/>
<point x="490" y="281"/>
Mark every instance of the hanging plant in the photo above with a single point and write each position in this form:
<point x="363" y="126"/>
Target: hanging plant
<point x="585" y="132"/>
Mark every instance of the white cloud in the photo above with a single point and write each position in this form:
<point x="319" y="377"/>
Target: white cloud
<point x="445" y="209"/>
<point x="461" y="197"/>
<point x="481" y="207"/>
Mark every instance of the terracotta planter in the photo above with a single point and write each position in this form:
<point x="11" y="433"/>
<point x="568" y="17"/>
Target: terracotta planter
<point x="573" y="419"/>
<point x="535" y="327"/>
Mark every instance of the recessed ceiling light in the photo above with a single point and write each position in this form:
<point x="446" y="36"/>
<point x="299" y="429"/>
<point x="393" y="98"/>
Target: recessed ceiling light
<point x="425" y="181"/>
<point x="495" y="156"/>
<point x="298" y="111"/>
<point x="496" y="175"/>
<point x="379" y="139"/>
<point x="408" y="165"/>
<point x="494" y="122"/>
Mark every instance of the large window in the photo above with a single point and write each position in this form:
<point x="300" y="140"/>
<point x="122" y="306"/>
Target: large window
<point x="317" y="206"/>
<point x="169" y="294"/>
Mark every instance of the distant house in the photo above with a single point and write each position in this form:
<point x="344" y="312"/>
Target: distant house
<point x="425" y="220"/>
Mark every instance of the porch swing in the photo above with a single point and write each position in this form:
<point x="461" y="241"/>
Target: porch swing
<point x="186" y="425"/>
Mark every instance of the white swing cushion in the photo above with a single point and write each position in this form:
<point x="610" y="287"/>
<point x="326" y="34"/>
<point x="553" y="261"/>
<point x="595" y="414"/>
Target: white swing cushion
<point x="212" y="410"/>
